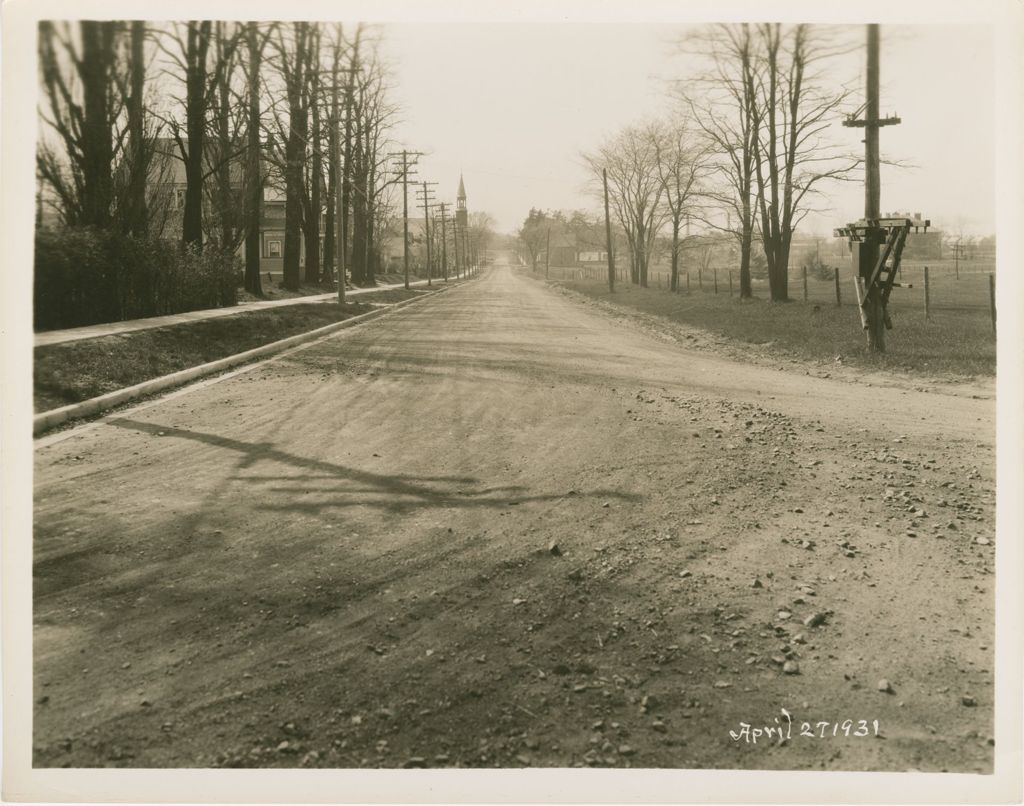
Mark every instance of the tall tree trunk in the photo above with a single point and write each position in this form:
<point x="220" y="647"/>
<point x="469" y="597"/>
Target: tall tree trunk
<point x="295" y="153"/>
<point x="370" y="272"/>
<point x="253" y="170"/>
<point x="224" y="145"/>
<point x="315" y="172"/>
<point x="746" y="243"/>
<point x="358" y="228"/>
<point x="197" y="48"/>
<point x="674" y="279"/>
<point x="746" y="289"/>
<point x="138" y="161"/>
<point x="332" y="187"/>
<point x="344" y="261"/>
<point x="97" y="138"/>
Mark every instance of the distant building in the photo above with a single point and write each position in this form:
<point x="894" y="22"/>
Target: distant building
<point x="921" y="245"/>
<point x="167" y="191"/>
<point x="562" y="247"/>
<point x="461" y="212"/>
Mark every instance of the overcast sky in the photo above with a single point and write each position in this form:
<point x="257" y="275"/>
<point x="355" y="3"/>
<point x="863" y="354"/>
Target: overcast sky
<point x="512" y="105"/>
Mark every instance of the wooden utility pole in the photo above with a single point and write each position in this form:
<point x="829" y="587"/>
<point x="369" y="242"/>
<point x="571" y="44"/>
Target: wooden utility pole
<point x="405" y="215"/>
<point x="345" y="190"/>
<point x="608" y="235"/>
<point x="873" y="272"/>
<point x="927" y="295"/>
<point x="444" y="244"/>
<point x="426" y="227"/>
<point x="455" y="244"/>
<point x="405" y="154"/>
<point x="339" y="215"/>
<point x="992" y="299"/>
<point x="426" y="224"/>
<point x="872" y="192"/>
<point x="868" y="250"/>
<point x="547" y="253"/>
<point x="341" y="183"/>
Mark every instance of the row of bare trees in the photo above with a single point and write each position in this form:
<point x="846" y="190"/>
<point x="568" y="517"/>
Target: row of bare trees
<point x="299" y="107"/>
<point x="451" y="244"/>
<point x="745" y="153"/>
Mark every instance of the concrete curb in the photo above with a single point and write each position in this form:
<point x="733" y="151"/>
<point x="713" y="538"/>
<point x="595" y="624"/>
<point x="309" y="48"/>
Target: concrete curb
<point x="48" y="419"/>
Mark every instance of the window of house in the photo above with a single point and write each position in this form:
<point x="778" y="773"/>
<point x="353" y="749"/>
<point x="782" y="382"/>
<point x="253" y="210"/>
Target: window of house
<point x="179" y="198"/>
<point x="273" y="248"/>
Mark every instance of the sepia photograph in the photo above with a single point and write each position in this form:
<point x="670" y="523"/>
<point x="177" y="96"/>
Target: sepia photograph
<point x="551" y="392"/>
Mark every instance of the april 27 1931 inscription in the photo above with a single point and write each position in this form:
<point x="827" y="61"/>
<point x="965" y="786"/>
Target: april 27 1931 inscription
<point x="786" y="727"/>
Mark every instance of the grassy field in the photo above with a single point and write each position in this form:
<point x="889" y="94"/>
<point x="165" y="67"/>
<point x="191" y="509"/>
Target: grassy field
<point x="955" y="342"/>
<point x="79" y="370"/>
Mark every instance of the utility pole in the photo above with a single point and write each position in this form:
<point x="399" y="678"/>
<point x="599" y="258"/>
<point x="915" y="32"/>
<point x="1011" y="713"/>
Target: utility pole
<point x="426" y="223"/>
<point x="343" y="188"/>
<point x="339" y="205"/>
<point x="405" y="154"/>
<point x="867" y="251"/>
<point x="547" y="254"/>
<point x="608" y="235"/>
<point x="405" y="215"/>
<point x="444" y="244"/>
<point x="455" y="244"/>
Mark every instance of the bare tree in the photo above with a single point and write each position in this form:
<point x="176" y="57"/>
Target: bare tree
<point x="79" y="81"/>
<point x="255" y="39"/>
<point x="295" y="67"/>
<point x="533" y="233"/>
<point x="681" y="165"/>
<point x="135" y="219"/>
<point x="225" y="154"/>
<point x="205" y="62"/>
<point x="635" y="192"/>
<point x="792" y="153"/>
<point x="722" y="102"/>
<point x="314" y="165"/>
<point x="336" y="47"/>
<point x="481" y="231"/>
<point x="373" y="115"/>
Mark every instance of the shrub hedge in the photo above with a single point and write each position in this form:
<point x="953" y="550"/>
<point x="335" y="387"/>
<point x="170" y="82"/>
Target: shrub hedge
<point x="87" y="276"/>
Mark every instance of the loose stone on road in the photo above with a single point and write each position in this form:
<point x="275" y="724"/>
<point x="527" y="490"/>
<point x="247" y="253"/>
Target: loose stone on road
<point x="504" y="528"/>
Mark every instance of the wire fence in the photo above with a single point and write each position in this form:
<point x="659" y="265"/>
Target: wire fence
<point x="935" y="286"/>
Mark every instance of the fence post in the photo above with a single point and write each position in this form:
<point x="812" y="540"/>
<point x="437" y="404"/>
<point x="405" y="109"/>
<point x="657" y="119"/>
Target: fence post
<point x="927" y="296"/>
<point x="715" y="270"/>
<point x="730" y="282"/>
<point x="992" y="299"/>
<point x="700" y="279"/>
<point x="839" y="298"/>
<point x="805" y="283"/>
<point x="687" y="281"/>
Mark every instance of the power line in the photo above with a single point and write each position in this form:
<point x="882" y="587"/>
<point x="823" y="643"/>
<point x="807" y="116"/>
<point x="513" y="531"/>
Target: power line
<point x="405" y="154"/>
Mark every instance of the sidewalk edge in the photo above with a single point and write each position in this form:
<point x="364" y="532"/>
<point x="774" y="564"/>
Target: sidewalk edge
<point x="46" y="420"/>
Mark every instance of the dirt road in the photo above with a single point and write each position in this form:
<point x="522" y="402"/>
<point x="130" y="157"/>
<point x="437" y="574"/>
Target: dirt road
<point x="503" y="528"/>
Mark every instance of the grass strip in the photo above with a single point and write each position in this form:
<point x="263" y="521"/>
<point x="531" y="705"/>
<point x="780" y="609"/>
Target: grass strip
<point x="955" y="343"/>
<point x="80" y="370"/>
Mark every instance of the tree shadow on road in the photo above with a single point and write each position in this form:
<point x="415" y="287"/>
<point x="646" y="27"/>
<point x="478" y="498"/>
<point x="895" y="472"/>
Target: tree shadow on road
<point x="399" y="493"/>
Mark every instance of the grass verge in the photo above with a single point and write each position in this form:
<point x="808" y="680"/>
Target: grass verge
<point x="80" y="370"/>
<point x="953" y="343"/>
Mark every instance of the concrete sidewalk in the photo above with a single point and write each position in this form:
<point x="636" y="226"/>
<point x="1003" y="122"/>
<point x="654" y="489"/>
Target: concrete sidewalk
<point x="113" y="328"/>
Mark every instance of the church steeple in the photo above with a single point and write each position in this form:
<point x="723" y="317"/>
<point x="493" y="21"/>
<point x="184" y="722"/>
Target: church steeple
<point x="460" y="198"/>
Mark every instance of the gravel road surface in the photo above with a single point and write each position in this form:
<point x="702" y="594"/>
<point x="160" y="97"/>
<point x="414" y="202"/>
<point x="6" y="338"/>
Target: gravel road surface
<point x="506" y="528"/>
